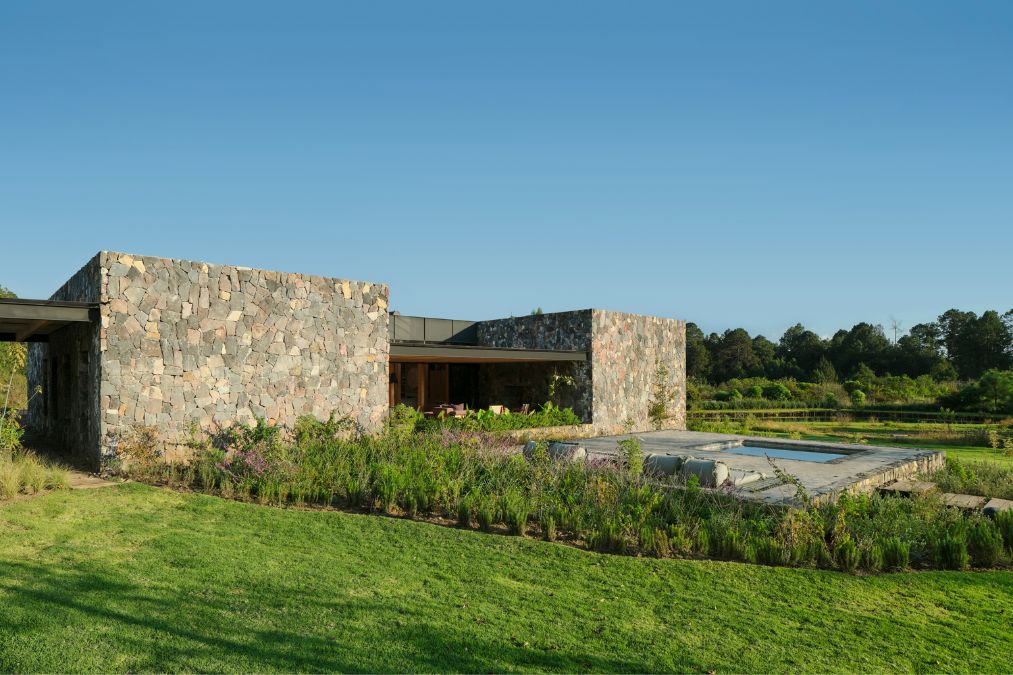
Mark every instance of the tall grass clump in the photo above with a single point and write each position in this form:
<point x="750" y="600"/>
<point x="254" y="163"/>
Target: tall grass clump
<point x="23" y="472"/>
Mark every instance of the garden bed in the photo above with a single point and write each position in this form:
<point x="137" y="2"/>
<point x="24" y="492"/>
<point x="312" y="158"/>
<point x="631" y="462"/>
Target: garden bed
<point x="479" y="481"/>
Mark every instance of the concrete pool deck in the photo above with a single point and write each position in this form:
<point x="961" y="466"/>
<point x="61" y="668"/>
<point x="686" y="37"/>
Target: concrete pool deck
<point x="863" y="469"/>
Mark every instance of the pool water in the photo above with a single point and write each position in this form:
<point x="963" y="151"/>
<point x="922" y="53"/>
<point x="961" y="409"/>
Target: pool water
<point x="781" y="453"/>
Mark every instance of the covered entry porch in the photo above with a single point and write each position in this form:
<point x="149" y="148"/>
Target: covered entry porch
<point x="428" y="376"/>
<point x="62" y="370"/>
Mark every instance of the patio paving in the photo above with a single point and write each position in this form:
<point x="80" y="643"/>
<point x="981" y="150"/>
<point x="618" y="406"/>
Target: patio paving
<point x="863" y="469"/>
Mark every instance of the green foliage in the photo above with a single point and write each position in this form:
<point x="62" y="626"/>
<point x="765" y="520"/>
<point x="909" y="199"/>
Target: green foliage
<point x="548" y="415"/>
<point x="776" y="392"/>
<point x="847" y="555"/>
<point x="471" y="477"/>
<point x="1004" y="522"/>
<point x="769" y="551"/>
<point x="515" y="509"/>
<point x="986" y="479"/>
<point x="25" y="473"/>
<point x="547" y="523"/>
<point x="951" y="552"/>
<point x="896" y="553"/>
<point x="402" y="421"/>
<point x="984" y="544"/>
<point x="857" y="398"/>
<point x="11" y="431"/>
<point x="663" y="395"/>
<point x="485" y="514"/>
<point x="824" y="372"/>
<point x="633" y="453"/>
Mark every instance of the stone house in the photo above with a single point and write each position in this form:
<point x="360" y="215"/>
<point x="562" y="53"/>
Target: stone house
<point x="138" y="340"/>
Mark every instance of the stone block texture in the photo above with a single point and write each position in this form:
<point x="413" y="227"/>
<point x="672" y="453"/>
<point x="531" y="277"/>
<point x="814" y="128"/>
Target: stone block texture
<point x="614" y="388"/>
<point x="183" y="343"/>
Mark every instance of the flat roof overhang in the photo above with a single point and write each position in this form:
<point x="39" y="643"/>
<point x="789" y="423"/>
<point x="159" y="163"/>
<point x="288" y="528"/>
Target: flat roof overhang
<point x="447" y="353"/>
<point x="35" y="320"/>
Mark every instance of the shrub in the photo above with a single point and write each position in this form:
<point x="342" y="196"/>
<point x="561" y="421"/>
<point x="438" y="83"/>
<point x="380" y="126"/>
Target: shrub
<point x="548" y="415"/>
<point x="389" y="482"/>
<point x="138" y="444"/>
<point x="484" y="515"/>
<point x="514" y="508"/>
<point x="464" y="512"/>
<point x="872" y="558"/>
<point x="11" y="432"/>
<point x="776" y="392"/>
<point x="679" y="539"/>
<point x="633" y="453"/>
<point x="984" y="544"/>
<point x="663" y="394"/>
<point x="547" y="523"/>
<point x="896" y="553"/>
<point x="607" y="536"/>
<point x="654" y="541"/>
<point x="701" y="540"/>
<point x="1004" y="521"/>
<point x="951" y="552"/>
<point x="857" y="398"/>
<point x="846" y="555"/>
<point x="726" y="543"/>
<point x="769" y="551"/>
<point x="402" y="420"/>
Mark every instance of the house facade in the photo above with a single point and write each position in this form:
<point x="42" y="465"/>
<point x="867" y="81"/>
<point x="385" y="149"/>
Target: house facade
<point x="175" y="344"/>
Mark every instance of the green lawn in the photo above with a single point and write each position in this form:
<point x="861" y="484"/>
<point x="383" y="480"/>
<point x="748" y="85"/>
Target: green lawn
<point x="137" y="578"/>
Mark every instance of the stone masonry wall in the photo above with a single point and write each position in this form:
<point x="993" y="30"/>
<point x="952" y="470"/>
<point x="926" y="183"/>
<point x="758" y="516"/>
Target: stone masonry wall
<point x="189" y="342"/>
<point x="614" y="389"/>
<point x="626" y="351"/>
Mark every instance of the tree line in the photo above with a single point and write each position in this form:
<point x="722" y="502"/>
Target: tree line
<point x="957" y="345"/>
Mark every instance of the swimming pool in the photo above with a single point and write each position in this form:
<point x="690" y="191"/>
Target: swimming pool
<point x="757" y="450"/>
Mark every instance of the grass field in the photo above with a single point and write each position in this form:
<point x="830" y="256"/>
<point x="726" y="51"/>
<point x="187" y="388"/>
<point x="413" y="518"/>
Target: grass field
<point x="136" y="578"/>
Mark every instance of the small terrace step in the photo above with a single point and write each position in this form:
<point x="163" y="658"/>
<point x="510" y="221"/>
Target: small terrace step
<point x="967" y="502"/>
<point x="909" y="488"/>
<point x="994" y="506"/>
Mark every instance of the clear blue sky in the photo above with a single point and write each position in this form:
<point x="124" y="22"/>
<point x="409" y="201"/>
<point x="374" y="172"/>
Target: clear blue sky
<point x="730" y="163"/>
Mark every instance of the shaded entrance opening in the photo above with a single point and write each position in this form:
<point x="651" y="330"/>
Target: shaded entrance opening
<point x="62" y="340"/>
<point x="425" y="376"/>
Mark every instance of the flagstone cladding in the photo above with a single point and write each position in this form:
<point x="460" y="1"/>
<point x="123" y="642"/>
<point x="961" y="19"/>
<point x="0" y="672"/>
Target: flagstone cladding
<point x="183" y="343"/>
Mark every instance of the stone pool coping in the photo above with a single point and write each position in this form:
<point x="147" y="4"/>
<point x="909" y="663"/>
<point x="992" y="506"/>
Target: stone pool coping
<point x="865" y="468"/>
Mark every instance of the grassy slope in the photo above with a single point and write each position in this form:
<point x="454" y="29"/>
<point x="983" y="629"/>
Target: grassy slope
<point x="136" y="578"/>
